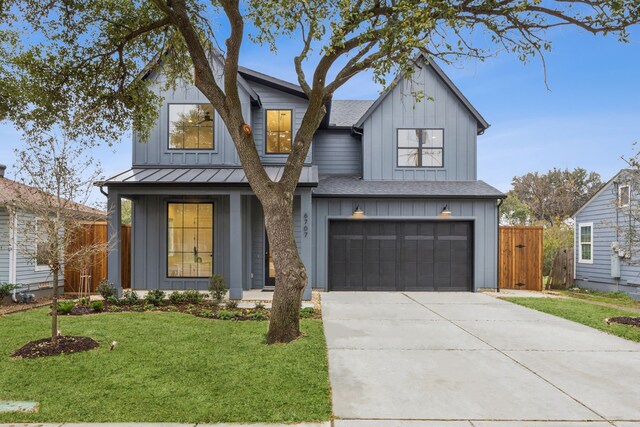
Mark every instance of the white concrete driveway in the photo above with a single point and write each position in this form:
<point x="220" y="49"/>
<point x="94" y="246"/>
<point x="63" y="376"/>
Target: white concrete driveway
<point x="463" y="359"/>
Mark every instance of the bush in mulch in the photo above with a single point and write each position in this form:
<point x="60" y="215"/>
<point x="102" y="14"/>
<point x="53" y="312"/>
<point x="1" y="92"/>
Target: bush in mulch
<point x="631" y="321"/>
<point x="45" y="347"/>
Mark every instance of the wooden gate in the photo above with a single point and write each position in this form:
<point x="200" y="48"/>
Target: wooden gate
<point x="96" y="268"/>
<point x="521" y="258"/>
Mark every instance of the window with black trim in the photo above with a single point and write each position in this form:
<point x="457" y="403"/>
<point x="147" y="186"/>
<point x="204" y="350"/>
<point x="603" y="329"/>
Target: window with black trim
<point x="420" y="148"/>
<point x="191" y="127"/>
<point x="278" y="131"/>
<point x="190" y="240"/>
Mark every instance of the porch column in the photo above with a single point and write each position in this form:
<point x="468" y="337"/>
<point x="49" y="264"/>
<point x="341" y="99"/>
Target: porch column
<point x="235" y="246"/>
<point x="114" y="227"/>
<point x="306" y="240"/>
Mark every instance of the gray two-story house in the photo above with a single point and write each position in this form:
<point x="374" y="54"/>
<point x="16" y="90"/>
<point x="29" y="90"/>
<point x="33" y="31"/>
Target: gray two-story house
<point x="606" y="235"/>
<point x="388" y="199"/>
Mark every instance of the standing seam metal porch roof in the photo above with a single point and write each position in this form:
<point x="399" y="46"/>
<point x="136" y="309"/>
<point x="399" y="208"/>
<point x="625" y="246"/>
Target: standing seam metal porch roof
<point x="224" y="176"/>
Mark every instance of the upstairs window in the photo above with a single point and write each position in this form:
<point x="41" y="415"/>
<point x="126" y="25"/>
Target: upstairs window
<point x="585" y="248"/>
<point x="624" y="196"/>
<point x="278" y="131"/>
<point x="420" y="148"/>
<point x="191" y="127"/>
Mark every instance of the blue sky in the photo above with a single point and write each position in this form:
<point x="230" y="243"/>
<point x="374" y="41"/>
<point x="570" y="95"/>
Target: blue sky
<point x="590" y="117"/>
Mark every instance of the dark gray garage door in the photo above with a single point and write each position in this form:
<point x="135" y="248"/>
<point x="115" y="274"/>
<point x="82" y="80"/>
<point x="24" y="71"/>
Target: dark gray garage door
<point x="369" y="255"/>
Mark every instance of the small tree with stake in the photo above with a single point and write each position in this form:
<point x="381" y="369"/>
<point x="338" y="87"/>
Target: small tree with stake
<point x="58" y="178"/>
<point x="89" y="55"/>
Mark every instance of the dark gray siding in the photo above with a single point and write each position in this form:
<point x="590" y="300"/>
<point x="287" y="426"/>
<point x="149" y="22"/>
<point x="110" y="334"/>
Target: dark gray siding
<point x="400" y="110"/>
<point x="273" y="99"/>
<point x="606" y="217"/>
<point x="4" y="245"/>
<point x="483" y="213"/>
<point x="336" y="152"/>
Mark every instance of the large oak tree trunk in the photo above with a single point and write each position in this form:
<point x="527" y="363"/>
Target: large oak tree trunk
<point x="291" y="275"/>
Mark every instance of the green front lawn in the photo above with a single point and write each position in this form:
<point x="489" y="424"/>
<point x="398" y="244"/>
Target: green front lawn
<point x="167" y="367"/>
<point x="583" y="312"/>
<point x="615" y="298"/>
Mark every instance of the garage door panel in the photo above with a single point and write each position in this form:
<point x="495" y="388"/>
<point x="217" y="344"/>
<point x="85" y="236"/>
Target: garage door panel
<point x="394" y="255"/>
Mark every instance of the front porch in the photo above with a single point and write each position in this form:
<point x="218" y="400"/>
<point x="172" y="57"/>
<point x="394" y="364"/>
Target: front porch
<point x="182" y="233"/>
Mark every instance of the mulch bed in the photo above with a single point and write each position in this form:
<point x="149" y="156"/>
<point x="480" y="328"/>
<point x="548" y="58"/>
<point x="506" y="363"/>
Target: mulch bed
<point x="65" y="345"/>
<point x="17" y="308"/>
<point x="632" y="321"/>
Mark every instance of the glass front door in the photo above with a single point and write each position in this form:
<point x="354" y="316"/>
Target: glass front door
<point x="270" y="269"/>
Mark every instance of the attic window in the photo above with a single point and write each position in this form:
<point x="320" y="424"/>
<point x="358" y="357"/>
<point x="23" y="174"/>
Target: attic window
<point x="624" y="196"/>
<point x="191" y="127"/>
<point x="420" y="148"/>
<point x="278" y="131"/>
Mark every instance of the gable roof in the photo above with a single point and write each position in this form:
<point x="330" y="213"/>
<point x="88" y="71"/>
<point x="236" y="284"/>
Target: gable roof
<point x="10" y="190"/>
<point x="429" y="62"/>
<point x="271" y="81"/>
<point x="600" y="191"/>
<point x="345" y="113"/>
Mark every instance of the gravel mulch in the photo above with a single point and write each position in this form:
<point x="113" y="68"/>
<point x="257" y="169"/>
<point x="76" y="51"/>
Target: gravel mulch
<point x="632" y="321"/>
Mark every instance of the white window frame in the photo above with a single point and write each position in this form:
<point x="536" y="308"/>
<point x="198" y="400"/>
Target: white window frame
<point x="628" y="189"/>
<point x="580" y="226"/>
<point x="38" y="267"/>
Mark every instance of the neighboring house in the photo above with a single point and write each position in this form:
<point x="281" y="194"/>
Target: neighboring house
<point x="17" y="231"/>
<point x="410" y="168"/>
<point x="602" y="257"/>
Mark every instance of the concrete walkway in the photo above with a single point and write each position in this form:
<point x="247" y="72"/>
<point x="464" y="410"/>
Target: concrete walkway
<point x="449" y="360"/>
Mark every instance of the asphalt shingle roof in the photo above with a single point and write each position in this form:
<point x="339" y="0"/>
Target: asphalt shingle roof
<point x="351" y="186"/>
<point x="348" y="112"/>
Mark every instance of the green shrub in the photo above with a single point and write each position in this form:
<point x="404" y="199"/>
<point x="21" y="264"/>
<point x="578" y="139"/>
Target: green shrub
<point x="233" y="304"/>
<point x="130" y="297"/>
<point x="193" y="297"/>
<point x="259" y="305"/>
<point x="176" y="298"/>
<point x="307" y="312"/>
<point x="66" y="306"/>
<point x="154" y="297"/>
<point x="171" y="308"/>
<point x="5" y="290"/>
<point x="257" y="316"/>
<point x="113" y="300"/>
<point x="228" y="315"/>
<point x="206" y="313"/>
<point x="217" y="287"/>
<point x="115" y="309"/>
<point x="106" y="289"/>
<point x="97" y="306"/>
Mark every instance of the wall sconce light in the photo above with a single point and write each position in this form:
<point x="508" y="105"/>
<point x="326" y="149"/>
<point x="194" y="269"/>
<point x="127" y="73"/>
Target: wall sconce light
<point x="358" y="213"/>
<point x="445" y="212"/>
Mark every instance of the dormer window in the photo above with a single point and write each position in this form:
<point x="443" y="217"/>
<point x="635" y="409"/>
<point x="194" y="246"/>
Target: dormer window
<point x="420" y="148"/>
<point x="624" y="196"/>
<point x="278" y="131"/>
<point x="191" y="127"/>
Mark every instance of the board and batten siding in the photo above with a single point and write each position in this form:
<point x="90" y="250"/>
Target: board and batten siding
<point x="604" y="214"/>
<point x="274" y="99"/>
<point x="5" y="245"/>
<point x="156" y="150"/>
<point x="149" y="242"/>
<point x="336" y="152"/>
<point x="483" y="213"/>
<point x="440" y="109"/>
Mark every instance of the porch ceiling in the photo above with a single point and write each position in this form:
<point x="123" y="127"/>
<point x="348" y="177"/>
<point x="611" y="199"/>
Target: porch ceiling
<point x="223" y="176"/>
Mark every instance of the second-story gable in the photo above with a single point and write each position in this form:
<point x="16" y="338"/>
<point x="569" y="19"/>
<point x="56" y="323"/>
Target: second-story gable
<point x="431" y="139"/>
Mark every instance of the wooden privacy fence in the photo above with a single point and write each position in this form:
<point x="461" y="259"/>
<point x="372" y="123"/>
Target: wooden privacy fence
<point x="561" y="276"/>
<point x="95" y="269"/>
<point x="520" y="258"/>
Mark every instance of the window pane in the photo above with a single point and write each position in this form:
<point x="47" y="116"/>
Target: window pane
<point x="190" y="240"/>
<point x="408" y="137"/>
<point x="279" y="131"/>
<point x="433" y="138"/>
<point x="586" y="252"/>
<point x="625" y="196"/>
<point x="585" y="234"/>
<point x="191" y="126"/>
<point x="408" y="157"/>
<point x="432" y="157"/>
